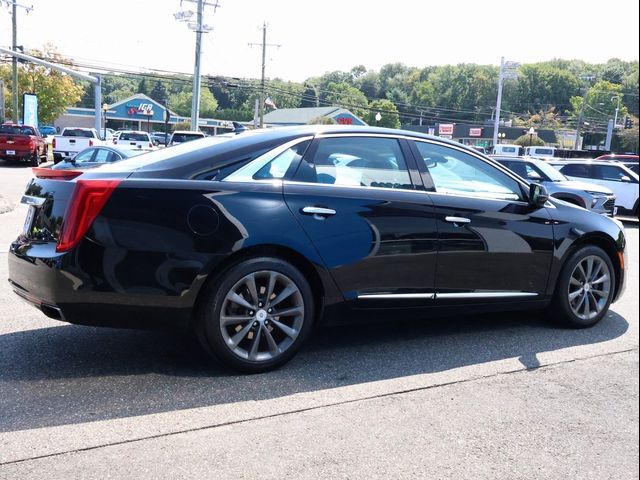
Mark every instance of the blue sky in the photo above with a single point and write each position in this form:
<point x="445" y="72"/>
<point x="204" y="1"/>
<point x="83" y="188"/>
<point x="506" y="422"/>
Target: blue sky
<point x="320" y="36"/>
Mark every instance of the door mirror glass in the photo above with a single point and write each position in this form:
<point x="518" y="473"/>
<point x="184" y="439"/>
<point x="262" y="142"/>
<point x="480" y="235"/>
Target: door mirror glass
<point x="538" y="195"/>
<point x="625" y="179"/>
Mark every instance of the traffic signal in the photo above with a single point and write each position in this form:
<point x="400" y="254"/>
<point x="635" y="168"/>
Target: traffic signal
<point x="628" y="123"/>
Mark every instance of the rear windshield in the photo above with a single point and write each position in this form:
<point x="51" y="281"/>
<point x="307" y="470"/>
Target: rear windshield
<point x="543" y="151"/>
<point x="16" y="130"/>
<point x="135" y="137"/>
<point x="185" y="137"/>
<point x="76" y="132"/>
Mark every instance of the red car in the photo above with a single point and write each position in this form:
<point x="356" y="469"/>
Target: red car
<point x="22" y="143"/>
<point x="619" y="156"/>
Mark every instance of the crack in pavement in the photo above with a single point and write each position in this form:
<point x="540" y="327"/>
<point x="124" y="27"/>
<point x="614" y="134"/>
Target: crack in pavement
<point x="327" y="405"/>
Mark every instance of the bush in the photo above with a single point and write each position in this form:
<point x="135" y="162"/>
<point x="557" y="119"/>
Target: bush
<point x="527" y="140"/>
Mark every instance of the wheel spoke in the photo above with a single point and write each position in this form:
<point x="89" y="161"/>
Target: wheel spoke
<point x="600" y="293"/>
<point x="273" y="346"/>
<point x="290" y="332"/>
<point x="235" y="298"/>
<point x="288" y="311"/>
<point x="596" y="271"/>
<point x="272" y="283"/>
<point x="288" y="291"/>
<point x="574" y="295"/>
<point x="589" y="267"/>
<point x="575" y="281"/>
<point x="251" y="285"/>
<point x="593" y="299"/>
<point x="581" y="270"/>
<point x="231" y="319"/>
<point x="603" y="278"/>
<point x="586" y="311"/>
<point x="255" y="343"/>
<point x="580" y="302"/>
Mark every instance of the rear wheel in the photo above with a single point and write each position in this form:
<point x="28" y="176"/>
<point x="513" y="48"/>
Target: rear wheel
<point x="34" y="161"/>
<point x="585" y="288"/>
<point x="256" y="315"/>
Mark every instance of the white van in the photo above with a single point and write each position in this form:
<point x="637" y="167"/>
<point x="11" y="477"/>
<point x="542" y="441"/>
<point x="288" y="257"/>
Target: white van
<point x="540" y="152"/>
<point x="506" y="149"/>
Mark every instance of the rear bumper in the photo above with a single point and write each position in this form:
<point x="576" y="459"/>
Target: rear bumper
<point x="53" y="283"/>
<point x="18" y="155"/>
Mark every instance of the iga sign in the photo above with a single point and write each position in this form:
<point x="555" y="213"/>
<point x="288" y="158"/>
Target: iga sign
<point x="445" y="129"/>
<point x="475" y="132"/>
<point x="141" y="109"/>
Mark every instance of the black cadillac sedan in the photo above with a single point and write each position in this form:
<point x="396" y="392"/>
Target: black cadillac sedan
<point x="253" y="239"/>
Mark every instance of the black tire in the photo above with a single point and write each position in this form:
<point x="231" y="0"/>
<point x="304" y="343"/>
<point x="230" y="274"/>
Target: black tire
<point x="562" y="308"/>
<point x="57" y="158"/>
<point x="211" y="331"/>
<point x="34" y="161"/>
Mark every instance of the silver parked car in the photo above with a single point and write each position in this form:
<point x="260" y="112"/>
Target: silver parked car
<point x="591" y="196"/>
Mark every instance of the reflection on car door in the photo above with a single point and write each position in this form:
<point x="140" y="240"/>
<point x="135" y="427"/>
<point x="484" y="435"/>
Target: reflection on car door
<point x="355" y="198"/>
<point x="486" y="229"/>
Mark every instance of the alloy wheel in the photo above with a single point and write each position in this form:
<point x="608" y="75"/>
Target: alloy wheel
<point x="589" y="287"/>
<point x="262" y="315"/>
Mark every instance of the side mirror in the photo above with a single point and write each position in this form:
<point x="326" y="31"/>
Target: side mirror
<point x="625" y="179"/>
<point x="538" y="195"/>
<point x="535" y="176"/>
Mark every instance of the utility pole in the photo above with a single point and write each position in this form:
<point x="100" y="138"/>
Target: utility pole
<point x="576" y="143"/>
<point x="199" y="27"/>
<point x="496" y="119"/>
<point x="195" y="101"/>
<point x="264" y="45"/>
<point x="1" y="100"/>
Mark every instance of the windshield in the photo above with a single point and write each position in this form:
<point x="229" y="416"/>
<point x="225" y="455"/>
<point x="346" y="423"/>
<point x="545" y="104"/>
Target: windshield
<point x="553" y="174"/>
<point x="76" y="132"/>
<point x="135" y="137"/>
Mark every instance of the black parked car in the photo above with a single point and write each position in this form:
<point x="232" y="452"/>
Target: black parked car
<point x="254" y="238"/>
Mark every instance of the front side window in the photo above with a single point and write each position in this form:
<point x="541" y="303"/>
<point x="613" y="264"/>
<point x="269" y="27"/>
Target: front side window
<point x="359" y="161"/>
<point x="611" y="173"/>
<point x="102" y="156"/>
<point x="457" y="173"/>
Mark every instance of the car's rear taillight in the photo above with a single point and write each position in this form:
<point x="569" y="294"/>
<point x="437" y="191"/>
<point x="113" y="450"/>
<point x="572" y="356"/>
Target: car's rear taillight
<point x="91" y="143"/>
<point x="53" y="143"/>
<point x="87" y="200"/>
<point x="151" y="145"/>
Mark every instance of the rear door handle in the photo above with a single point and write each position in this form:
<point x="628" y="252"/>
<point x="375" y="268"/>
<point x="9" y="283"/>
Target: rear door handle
<point x="458" y="220"/>
<point x="323" y="212"/>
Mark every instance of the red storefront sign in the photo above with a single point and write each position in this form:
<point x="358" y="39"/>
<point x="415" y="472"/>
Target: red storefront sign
<point x="475" y="132"/>
<point x="445" y="129"/>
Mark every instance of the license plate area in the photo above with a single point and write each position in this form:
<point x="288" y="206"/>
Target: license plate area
<point x="28" y="222"/>
<point x="11" y="152"/>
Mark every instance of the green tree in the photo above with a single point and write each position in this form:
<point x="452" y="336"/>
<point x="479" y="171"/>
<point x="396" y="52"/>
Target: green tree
<point x="389" y="116"/>
<point x="56" y="91"/>
<point x="159" y="92"/>
<point x="181" y="103"/>
<point x="347" y="96"/>
<point x="541" y="86"/>
<point x="599" y="104"/>
<point x="143" y="86"/>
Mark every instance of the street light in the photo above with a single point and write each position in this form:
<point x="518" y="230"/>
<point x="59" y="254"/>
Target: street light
<point x="531" y="133"/>
<point x="105" y="107"/>
<point x="615" y="118"/>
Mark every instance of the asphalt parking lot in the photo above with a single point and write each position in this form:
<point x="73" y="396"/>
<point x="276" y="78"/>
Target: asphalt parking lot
<point x="497" y="396"/>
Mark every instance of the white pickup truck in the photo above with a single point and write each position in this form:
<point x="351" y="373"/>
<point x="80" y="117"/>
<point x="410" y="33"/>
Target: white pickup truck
<point x="72" y="140"/>
<point x="134" y="139"/>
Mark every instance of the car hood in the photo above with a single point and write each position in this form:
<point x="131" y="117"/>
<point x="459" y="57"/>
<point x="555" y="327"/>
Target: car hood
<point x="576" y="185"/>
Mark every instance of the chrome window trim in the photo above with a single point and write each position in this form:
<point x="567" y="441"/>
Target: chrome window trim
<point x="356" y="187"/>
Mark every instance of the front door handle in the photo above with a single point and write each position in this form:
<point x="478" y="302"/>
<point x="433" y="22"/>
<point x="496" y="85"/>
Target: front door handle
<point x="321" y="211"/>
<point x="458" y="220"/>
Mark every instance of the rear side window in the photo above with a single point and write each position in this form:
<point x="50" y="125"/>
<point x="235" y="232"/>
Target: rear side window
<point x="273" y="165"/>
<point x="610" y="173"/>
<point x="358" y="161"/>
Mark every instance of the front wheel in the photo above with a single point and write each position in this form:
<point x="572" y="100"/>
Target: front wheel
<point x="256" y="316"/>
<point x="585" y="288"/>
